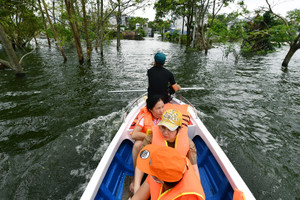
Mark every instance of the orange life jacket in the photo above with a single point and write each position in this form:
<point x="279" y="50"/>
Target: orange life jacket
<point x="238" y="195"/>
<point x="189" y="186"/>
<point x="181" y="108"/>
<point x="181" y="142"/>
<point x="148" y="118"/>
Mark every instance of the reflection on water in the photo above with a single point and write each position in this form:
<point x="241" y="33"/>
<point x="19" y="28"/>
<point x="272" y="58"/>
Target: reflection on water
<point x="56" y="123"/>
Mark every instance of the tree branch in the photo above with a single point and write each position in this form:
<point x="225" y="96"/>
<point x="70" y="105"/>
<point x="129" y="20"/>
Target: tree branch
<point x="26" y="55"/>
<point x="6" y="63"/>
<point x="283" y="19"/>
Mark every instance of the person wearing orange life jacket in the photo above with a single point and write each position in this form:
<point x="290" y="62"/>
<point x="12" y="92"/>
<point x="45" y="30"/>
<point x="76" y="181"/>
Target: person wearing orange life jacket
<point x="170" y="132"/>
<point x="151" y="115"/>
<point x="146" y="120"/>
<point x="148" y="116"/>
<point x="170" y="176"/>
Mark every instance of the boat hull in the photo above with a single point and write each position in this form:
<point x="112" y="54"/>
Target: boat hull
<point x="218" y="176"/>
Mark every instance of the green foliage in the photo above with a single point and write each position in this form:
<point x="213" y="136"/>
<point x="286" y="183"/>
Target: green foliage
<point x="168" y="35"/>
<point x="134" y="20"/>
<point x="183" y="39"/>
<point x="141" y="32"/>
<point x="263" y="34"/>
<point x="294" y="16"/>
<point x="64" y="33"/>
<point x="19" y="21"/>
<point x="218" y="32"/>
<point x="227" y="28"/>
<point x="161" y="24"/>
<point x="174" y="37"/>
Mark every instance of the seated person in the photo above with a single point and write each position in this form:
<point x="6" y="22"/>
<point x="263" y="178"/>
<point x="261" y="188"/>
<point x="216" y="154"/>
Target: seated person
<point x="170" y="132"/>
<point x="149" y="116"/>
<point x="170" y="176"/>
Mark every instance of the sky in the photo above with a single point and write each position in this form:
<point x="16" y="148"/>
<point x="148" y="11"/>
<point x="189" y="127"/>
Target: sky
<point x="278" y="6"/>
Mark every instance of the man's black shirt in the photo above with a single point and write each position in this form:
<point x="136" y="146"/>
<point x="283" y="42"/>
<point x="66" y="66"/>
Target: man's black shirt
<point x="158" y="79"/>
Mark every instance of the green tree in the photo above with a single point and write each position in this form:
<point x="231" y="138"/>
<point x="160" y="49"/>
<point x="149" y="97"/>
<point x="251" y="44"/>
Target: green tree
<point x="121" y="7"/>
<point x="19" y="21"/>
<point x="14" y="61"/>
<point x="134" y="20"/>
<point x="259" y="37"/>
<point x="292" y="32"/>
<point x="162" y="25"/>
<point x="177" y="9"/>
<point x="54" y="31"/>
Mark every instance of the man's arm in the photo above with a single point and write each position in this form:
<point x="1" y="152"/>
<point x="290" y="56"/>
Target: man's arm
<point x="138" y="176"/>
<point x="176" y="87"/>
<point x="143" y="193"/>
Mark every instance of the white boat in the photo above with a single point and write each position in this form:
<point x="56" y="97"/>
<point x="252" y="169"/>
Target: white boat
<point x="219" y="178"/>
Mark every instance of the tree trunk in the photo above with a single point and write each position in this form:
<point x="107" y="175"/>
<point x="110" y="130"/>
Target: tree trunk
<point x="54" y="32"/>
<point x="293" y="48"/>
<point x="45" y="23"/>
<point x="182" y="30"/>
<point x="69" y="5"/>
<point x="14" y="61"/>
<point x="119" y="25"/>
<point x="36" y="43"/>
<point x="101" y="30"/>
<point x="188" y="31"/>
<point x="289" y="55"/>
<point x="87" y="39"/>
<point x="53" y="11"/>
<point x="97" y="25"/>
<point x="189" y="26"/>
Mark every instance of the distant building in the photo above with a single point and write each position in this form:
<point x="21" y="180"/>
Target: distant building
<point x="124" y="20"/>
<point x="137" y="25"/>
<point x="177" y="25"/>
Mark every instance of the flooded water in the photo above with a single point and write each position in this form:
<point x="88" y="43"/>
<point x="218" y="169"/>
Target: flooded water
<point x="56" y="123"/>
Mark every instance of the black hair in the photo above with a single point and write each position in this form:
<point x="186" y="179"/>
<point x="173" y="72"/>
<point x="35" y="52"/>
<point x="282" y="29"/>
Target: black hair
<point x="152" y="101"/>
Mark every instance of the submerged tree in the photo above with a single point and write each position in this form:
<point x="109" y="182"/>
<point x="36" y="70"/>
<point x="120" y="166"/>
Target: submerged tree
<point x="74" y="27"/>
<point x="86" y="30"/>
<point x="14" y="61"/>
<point x="20" y="22"/>
<point x="184" y="9"/>
<point x="259" y="34"/>
<point x="124" y="7"/>
<point x="45" y="23"/>
<point x="209" y="10"/>
<point x="293" y="38"/>
<point x="54" y="32"/>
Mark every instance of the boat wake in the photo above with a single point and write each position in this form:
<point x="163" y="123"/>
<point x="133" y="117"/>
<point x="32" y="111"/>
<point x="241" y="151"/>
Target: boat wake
<point x="95" y="136"/>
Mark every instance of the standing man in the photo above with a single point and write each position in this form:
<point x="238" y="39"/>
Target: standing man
<point x="160" y="80"/>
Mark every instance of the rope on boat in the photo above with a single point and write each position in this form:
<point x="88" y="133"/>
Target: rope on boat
<point x="132" y="104"/>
